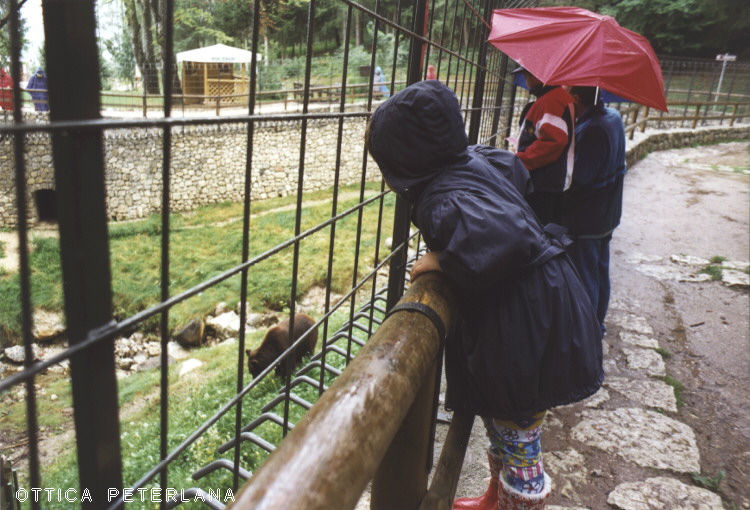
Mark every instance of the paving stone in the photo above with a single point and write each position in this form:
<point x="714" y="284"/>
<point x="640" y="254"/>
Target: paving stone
<point x="634" y="323"/>
<point x="638" y="258"/>
<point x="690" y="260"/>
<point x="646" y="360"/>
<point x="663" y="493"/>
<point x="654" y="394"/>
<point x="736" y="278"/>
<point x="639" y="340"/>
<point x="567" y="470"/>
<point x="597" y="399"/>
<point x="644" y="437"/>
<point x="678" y="273"/>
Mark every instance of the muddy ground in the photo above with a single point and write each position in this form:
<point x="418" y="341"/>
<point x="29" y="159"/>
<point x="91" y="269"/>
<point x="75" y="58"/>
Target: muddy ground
<point x="696" y="201"/>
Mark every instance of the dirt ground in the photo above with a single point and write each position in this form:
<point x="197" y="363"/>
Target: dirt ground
<point x="696" y="201"/>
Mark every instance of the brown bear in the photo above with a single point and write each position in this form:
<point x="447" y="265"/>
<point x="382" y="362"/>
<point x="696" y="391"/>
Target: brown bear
<point x="277" y="341"/>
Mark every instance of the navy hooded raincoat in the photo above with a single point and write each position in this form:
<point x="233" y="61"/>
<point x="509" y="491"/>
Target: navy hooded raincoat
<point x="526" y="338"/>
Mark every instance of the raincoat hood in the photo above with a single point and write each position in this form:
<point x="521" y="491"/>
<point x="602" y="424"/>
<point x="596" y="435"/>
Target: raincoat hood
<point x="416" y="134"/>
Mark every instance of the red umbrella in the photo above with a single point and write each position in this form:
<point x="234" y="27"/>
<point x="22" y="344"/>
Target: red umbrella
<point x="573" y="46"/>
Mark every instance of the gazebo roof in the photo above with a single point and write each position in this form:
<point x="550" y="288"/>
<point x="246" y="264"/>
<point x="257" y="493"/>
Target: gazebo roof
<point x="217" y="53"/>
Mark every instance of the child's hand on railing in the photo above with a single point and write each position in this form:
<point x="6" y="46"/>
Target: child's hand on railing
<point x="426" y="263"/>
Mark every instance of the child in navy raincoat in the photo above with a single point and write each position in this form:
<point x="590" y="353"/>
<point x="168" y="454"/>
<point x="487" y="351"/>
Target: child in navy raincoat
<point x="526" y="337"/>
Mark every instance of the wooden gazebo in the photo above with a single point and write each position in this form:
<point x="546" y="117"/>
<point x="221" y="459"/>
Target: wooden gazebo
<point x="215" y="73"/>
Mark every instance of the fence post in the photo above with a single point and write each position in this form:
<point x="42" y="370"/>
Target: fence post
<point x="634" y="118"/>
<point x="70" y="29"/>
<point x="697" y="115"/>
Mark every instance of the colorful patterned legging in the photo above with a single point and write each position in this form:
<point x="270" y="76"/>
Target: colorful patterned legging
<point x="518" y="446"/>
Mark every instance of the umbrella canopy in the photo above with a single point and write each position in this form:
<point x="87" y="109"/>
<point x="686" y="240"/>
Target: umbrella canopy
<point x="573" y="46"/>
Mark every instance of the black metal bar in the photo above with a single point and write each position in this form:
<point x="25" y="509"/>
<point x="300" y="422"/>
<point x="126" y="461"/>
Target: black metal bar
<point x="72" y="60"/>
<point x="335" y="198"/>
<point x="249" y="145"/>
<point x="32" y="426"/>
<point x="479" y="83"/>
<point x="165" y="238"/>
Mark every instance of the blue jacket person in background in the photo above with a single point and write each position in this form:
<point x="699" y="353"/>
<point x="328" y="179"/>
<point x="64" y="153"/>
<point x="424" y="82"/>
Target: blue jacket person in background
<point x="38" y="84"/>
<point x="379" y="87"/>
<point x="593" y="204"/>
<point x="526" y="338"/>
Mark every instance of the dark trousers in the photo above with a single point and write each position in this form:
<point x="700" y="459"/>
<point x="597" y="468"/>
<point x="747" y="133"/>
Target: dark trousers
<point x="547" y="205"/>
<point x="591" y="258"/>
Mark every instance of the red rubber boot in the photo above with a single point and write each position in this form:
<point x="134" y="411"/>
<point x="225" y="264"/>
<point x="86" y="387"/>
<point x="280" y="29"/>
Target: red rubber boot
<point x="511" y="499"/>
<point x="488" y="500"/>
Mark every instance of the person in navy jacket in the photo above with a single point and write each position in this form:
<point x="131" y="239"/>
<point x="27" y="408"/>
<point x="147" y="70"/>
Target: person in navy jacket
<point x="593" y="204"/>
<point x="526" y="338"/>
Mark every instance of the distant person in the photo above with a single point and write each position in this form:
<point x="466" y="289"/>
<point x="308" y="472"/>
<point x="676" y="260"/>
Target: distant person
<point x="431" y="74"/>
<point x="37" y="87"/>
<point x="525" y="336"/>
<point x="6" y="91"/>
<point x="379" y="86"/>
<point x="545" y="145"/>
<point x="593" y="204"/>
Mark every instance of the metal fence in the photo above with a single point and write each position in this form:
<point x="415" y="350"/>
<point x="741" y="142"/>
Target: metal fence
<point x="119" y="453"/>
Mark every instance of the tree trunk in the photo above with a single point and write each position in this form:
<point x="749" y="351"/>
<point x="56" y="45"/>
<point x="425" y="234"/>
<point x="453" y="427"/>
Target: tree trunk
<point x="266" y="48"/>
<point x="149" y="50"/>
<point x="142" y="46"/>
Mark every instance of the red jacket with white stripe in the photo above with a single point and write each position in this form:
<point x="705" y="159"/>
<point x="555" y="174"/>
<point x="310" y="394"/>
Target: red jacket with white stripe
<point x="546" y="142"/>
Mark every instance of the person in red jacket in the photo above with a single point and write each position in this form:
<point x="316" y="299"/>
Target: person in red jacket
<point x="546" y="145"/>
<point x="6" y="91"/>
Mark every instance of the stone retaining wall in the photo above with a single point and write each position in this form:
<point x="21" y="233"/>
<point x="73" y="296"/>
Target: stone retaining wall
<point x="677" y="138"/>
<point x="208" y="163"/>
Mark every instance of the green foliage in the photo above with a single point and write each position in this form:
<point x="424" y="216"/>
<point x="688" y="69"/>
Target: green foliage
<point x="664" y="353"/>
<point x="695" y="28"/>
<point x="711" y="483"/>
<point x="677" y="387"/>
<point x="5" y="34"/>
<point x="123" y="58"/>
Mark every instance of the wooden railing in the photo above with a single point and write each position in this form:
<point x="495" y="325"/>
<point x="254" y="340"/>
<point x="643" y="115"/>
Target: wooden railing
<point x="681" y="114"/>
